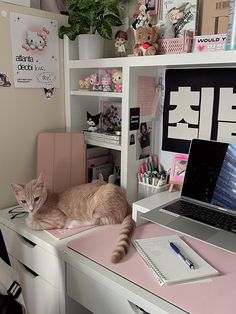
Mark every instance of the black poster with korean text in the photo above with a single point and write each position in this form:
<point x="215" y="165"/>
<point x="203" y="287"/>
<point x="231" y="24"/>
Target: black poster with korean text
<point x="199" y="103"/>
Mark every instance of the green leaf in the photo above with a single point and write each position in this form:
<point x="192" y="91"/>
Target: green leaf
<point x="113" y="20"/>
<point x="69" y="31"/>
<point x="105" y="30"/>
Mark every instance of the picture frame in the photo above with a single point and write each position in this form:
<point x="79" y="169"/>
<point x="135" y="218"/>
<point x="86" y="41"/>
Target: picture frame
<point x="153" y="5"/>
<point x="178" y="169"/>
<point x="110" y="115"/>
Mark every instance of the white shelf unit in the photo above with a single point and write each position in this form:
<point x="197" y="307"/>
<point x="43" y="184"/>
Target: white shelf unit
<point x="79" y="101"/>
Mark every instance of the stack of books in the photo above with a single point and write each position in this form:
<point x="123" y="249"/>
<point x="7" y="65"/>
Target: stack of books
<point x="102" y="137"/>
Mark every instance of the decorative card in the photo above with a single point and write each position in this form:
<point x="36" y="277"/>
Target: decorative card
<point x="35" y="51"/>
<point x="181" y="14"/>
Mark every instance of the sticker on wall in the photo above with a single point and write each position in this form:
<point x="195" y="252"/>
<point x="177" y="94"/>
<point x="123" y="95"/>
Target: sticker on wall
<point x="4" y="80"/>
<point x="35" y="51"/>
<point x="49" y="92"/>
<point x="134" y="118"/>
<point x="199" y="103"/>
<point x="132" y="139"/>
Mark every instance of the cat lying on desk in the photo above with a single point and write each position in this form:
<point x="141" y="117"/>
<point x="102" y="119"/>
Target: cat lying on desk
<point x="95" y="203"/>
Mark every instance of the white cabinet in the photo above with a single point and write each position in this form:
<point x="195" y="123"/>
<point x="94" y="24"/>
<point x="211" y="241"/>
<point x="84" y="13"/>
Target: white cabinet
<point x="78" y="102"/>
<point x="35" y="255"/>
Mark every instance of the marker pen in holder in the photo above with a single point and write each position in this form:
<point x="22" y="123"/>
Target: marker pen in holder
<point x="231" y="29"/>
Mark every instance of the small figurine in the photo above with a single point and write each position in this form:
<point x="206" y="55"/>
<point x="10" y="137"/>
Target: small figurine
<point x="143" y="19"/>
<point x="81" y="84"/>
<point x="95" y="82"/>
<point x="117" y="80"/>
<point x="106" y="81"/>
<point x="121" y="38"/>
<point x="93" y="121"/>
<point x="84" y="84"/>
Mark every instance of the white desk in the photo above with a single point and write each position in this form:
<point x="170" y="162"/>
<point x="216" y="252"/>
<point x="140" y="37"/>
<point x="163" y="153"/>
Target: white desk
<point x="91" y="285"/>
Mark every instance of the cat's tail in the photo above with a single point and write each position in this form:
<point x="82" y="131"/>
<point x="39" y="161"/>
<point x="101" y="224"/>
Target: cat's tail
<point x="122" y="247"/>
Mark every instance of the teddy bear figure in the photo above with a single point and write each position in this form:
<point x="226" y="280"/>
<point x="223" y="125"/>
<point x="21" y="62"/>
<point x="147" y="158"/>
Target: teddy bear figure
<point x="117" y="80"/>
<point x="146" y="41"/>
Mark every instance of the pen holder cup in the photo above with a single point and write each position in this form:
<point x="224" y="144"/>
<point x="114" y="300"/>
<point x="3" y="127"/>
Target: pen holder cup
<point x="146" y="190"/>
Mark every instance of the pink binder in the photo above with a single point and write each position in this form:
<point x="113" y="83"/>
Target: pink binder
<point x="61" y="157"/>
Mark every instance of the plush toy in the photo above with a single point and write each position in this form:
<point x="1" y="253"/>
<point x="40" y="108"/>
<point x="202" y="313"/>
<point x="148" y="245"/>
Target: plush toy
<point x="146" y="41"/>
<point x="166" y="30"/>
<point x="93" y="121"/>
<point x="95" y="82"/>
<point x="117" y="80"/>
<point x="106" y="81"/>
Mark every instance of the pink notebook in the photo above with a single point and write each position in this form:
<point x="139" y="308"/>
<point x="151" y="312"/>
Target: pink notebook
<point x="65" y="233"/>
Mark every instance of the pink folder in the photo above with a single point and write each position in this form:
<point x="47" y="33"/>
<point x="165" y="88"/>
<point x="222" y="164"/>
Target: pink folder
<point x="61" y="157"/>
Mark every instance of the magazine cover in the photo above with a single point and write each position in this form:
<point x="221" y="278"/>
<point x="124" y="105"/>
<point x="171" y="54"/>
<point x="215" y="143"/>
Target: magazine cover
<point x="181" y="15"/>
<point x="111" y="116"/>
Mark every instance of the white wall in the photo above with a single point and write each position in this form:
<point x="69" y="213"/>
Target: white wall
<point x="24" y="112"/>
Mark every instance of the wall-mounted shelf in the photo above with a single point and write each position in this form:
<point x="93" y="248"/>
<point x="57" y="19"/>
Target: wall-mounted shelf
<point x="95" y="93"/>
<point x="80" y="101"/>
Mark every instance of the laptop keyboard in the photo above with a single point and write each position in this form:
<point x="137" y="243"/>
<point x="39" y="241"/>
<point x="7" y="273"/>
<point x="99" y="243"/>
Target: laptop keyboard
<point x="202" y="214"/>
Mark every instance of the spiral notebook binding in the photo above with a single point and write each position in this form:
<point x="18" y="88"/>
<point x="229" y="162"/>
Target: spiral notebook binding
<point x="156" y="271"/>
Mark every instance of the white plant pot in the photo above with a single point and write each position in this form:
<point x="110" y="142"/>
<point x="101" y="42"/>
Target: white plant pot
<point x="91" y="46"/>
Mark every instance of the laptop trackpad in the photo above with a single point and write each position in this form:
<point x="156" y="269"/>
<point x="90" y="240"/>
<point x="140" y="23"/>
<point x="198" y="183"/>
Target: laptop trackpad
<point x="225" y="240"/>
<point x="195" y="229"/>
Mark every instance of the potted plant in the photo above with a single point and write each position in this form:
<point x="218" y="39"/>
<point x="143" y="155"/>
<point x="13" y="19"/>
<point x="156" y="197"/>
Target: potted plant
<point x="91" y="17"/>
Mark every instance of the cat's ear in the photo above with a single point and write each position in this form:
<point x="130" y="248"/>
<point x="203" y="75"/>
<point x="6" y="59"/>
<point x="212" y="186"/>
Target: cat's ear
<point x="16" y="188"/>
<point x="40" y="180"/>
<point x="88" y="115"/>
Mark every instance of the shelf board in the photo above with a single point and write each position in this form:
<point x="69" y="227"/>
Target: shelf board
<point x="204" y="59"/>
<point x="103" y="144"/>
<point x="95" y="93"/>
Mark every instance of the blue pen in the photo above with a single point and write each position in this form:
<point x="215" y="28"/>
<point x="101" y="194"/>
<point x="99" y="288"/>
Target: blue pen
<point x="185" y="259"/>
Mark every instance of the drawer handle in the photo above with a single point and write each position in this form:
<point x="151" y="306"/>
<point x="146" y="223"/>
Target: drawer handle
<point x="137" y="309"/>
<point x="27" y="241"/>
<point x="30" y="270"/>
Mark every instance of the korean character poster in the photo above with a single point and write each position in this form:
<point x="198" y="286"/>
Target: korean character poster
<point x="199" y="103"/>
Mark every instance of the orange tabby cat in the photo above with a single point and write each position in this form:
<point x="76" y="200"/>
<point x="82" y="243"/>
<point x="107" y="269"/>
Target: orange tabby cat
<point x="95" y="203"/>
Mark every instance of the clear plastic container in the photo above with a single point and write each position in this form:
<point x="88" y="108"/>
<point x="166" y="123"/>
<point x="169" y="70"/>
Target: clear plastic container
<point x="231" y="30"/>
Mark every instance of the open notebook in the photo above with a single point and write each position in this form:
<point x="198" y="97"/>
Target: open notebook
<point x="166" y="265"/>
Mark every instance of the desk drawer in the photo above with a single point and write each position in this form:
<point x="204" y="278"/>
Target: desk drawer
<point x="39" y="296"/>
<point x="31" y="255"/>
<point x="96" y="297"/>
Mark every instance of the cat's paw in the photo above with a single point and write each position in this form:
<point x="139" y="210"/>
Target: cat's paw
<point x="72" y="223"/>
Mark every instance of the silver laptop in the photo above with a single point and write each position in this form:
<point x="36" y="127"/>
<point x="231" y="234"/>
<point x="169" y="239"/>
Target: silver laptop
<point x="206" y="208"/>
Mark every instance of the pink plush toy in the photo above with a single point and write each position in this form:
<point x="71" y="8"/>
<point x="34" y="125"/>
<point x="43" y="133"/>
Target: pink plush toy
<point x="117" y="80"/>
<point x="106" y="81"/>
<point x="94" y="81"/>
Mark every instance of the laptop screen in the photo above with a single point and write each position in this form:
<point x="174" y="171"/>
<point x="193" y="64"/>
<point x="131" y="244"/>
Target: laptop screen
<point x="211" y="174"/>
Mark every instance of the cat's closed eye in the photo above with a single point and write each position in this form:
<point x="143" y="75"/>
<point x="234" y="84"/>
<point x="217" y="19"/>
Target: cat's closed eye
<point x="36" y="199"/>
<point x="23" y="201"/>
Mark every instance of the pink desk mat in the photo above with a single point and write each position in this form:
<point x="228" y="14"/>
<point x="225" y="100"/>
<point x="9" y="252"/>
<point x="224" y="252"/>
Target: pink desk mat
<point x="215" y="296"/>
